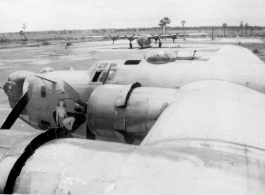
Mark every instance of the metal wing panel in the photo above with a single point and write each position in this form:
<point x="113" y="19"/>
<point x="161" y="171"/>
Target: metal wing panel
<point x="212" y="110"/>
<point x="230" y="54"/>
<point x="76" y="166"/>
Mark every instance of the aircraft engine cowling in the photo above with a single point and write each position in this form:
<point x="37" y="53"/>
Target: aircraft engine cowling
<point x="127" y="109"/>
<point x="14" y="86"/>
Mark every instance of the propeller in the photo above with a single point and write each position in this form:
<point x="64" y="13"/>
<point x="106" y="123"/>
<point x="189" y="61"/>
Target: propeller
<point x="71" y="92"/>
<point x="130" y="38"/>
<point x="173" y="36"/>
<point x="114" y="38"/>
<point x="156" y="38"/>
<point x="17" y="109"/>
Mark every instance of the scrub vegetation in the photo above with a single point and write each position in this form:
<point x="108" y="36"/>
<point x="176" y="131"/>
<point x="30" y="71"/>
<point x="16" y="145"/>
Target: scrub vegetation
<point x="69" y="37"/>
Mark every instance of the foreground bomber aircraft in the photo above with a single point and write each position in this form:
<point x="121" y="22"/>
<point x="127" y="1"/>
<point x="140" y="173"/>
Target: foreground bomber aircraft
<point x="201" y="127"/>
<point x="209" y="139"/>
<point x="145" y="40"/>
<point x="120" y="99"/>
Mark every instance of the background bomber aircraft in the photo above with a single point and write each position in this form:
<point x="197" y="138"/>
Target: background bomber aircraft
<point x="200" y="126"/>
<point x="145" y="40"/>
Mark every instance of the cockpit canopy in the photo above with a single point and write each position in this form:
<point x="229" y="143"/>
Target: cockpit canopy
<point x="160" y="57"/>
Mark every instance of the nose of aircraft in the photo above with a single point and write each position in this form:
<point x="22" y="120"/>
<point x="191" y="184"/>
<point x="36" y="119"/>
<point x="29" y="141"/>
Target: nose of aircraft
<point x="140" y="41"/>
<point x="14" y="86"/>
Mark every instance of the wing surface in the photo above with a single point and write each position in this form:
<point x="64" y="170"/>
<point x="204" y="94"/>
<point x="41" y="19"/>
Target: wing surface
<point x="231" y="54"/>
<point x="183" y="35"/>
<point x="212" y="110"/>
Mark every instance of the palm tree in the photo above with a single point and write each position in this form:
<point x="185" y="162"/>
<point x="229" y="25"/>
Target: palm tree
<point x="224" y="26"/>
<point x="183" y="23"/>
<point x="241" y="27"/>
<point x="163" y="23"/>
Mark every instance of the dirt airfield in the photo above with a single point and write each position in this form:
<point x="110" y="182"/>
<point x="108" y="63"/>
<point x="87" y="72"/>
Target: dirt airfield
<point x="82" y="55"/>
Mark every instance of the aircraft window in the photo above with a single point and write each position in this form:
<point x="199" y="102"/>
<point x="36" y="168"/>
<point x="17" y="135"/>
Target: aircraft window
<point x="110" y="77"/>
<point x="103" y="65"/>
<point x="95" y="78"/>
<point x="92" y="73"/>
<point x="132" y="62"/>
<point x="113" y="65"/>
<point x="43" y="91"/>
<point x="45" y="124"/>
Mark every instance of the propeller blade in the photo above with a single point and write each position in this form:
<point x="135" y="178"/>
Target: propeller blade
<point x="16" y="111"/>
<point x="71" y="92"/>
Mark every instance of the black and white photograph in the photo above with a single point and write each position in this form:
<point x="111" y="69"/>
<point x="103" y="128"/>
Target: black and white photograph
<point x="124" y="97"/>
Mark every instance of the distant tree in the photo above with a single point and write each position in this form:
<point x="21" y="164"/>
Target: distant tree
<point x="183" y="24"/>
<point x="22" y="35"/>
<point x="163" y="23"/>
<point x="241" y="27"/>
<point x="246" y="29"/>
<point x="224" y="26"/>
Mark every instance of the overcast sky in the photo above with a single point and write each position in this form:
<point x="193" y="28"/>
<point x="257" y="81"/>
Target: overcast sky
<point x="41" y="15"/>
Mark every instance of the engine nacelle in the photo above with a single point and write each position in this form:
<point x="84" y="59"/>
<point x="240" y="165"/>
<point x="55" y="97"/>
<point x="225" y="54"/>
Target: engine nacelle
<point x="130" y="110"/>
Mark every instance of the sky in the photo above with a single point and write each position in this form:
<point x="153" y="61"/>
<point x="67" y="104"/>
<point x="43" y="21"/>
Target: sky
<point x="43" y="15"/>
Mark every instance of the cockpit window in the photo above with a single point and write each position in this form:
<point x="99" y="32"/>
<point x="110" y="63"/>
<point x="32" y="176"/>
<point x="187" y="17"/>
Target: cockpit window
<point x="100" y="75"/>
<point x="95" y="78"/>
<point x="113" y="65"/>
<point x="43" y="91"/>
<point x="104" y="74"/>
<point x="102" y="65"/>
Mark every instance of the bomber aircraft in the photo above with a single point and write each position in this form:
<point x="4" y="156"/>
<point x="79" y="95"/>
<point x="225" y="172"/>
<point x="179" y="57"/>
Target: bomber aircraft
<point x="200" y="126"/>
<point x="145" y="40"/>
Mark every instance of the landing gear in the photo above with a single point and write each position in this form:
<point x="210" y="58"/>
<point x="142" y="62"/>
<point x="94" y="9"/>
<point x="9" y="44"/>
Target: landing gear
<point x="159" y="44"/>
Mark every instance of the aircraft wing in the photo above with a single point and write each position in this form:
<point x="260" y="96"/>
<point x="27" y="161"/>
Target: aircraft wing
<point x="209" y="141"/>
<point x="183" y="35"/>
<point x="117" y="37"/>
<point x="192" y="34"/>
<point x="230" y="54"/>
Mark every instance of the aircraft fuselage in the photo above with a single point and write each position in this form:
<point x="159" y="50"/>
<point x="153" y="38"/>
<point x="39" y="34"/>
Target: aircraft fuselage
<point x="144" y="41"/>
<point x="155" y="81"/>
